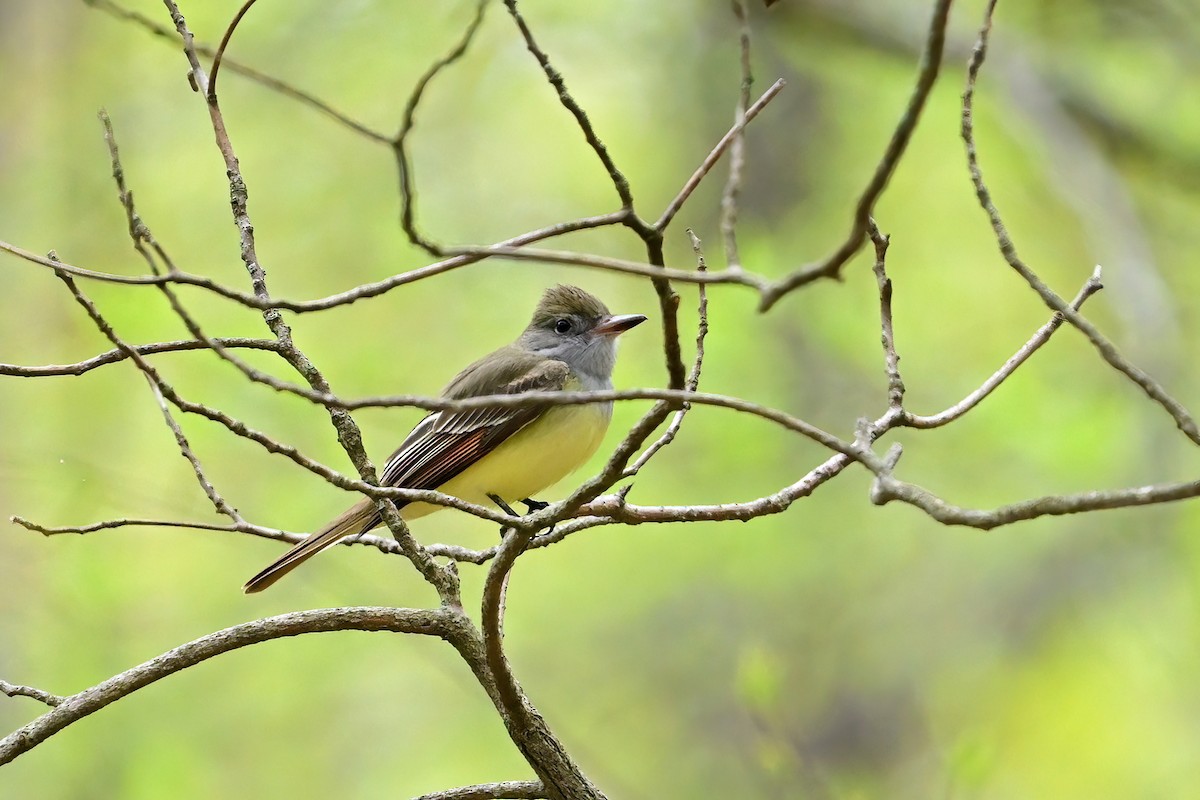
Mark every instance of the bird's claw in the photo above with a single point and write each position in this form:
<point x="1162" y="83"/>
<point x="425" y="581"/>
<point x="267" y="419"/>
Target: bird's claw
<point x="530" y="504"/>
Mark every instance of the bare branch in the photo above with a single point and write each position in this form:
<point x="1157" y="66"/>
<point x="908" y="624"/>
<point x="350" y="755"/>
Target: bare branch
<point x="140" y="280"/>
<point x="348" y="433"/>
<point x="693" y="381"/>
<point x="441" y="623"/>
<point x="491" y="791"/>
<point x="408" y="197"/>
<point x="115" y="356"/>
<point x="886" y="488"/>
<point x="1107" y="351"/>
<point x="185" y="449"/>
<point x="737" y="151"/>
<point x="619" y="181"/>
<point x="545" y="753"/>
<point x="730" y="276"/>
<point x="831" y="267"/>
<point x="612" y="509"/>
<point x="42" y="696"/>
<point x="216" y="64"/>
<point x="887" y="336"/>
<point x="715" y="154"/>
<point x="1039" y="338"/>
<point x="274" y="84"/>
<point x="140" y="233"/>
<point x="512" y="248"/>
<point x="378" y="542"/>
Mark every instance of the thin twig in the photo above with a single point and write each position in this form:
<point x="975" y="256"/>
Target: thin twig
<point x="887" y="337"/>
<point x="537" y="254"/>
<point x="619" y="181"/>
<point x="512" y="248"/>
<point x="1152" y="389"/>
<point x="1039" y="338"/>
<point x="185" y="449"/>
<point x="141" y="236"/>
<point x="715" y="154"/>
<point x="831" y="267"/>
<point x="886" y="488"/>
<point x="115" y="356"/>
<point x="408" y="196"/>
<point x="381" y="543"/>
<point x="693" y="381"/>
<point x="156" y="257"/>
<point x="442" y="623"/>
<point x="737" y="151"/>
<point x="32" y="692"/>
<point x="139" y="280"/>
<point x="216" y="63"/>
<point x="270" y="82"/>
<point x="348" y="433"/>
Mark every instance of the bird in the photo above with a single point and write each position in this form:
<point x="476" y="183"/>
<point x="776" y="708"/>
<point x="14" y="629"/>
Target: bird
<point x="498" y="454"/>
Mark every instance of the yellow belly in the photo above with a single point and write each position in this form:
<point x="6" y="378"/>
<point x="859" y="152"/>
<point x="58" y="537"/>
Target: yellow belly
<point x="535" y="457"/>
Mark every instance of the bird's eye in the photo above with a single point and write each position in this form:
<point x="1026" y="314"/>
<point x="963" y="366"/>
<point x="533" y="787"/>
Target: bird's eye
<point x="562" y="326"/>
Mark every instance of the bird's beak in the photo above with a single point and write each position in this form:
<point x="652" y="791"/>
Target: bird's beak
<point x="618" y="324"/>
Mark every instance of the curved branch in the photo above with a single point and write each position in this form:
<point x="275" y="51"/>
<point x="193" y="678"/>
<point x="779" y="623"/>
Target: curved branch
<point x="220" y="54"/>
<point x="388" y="546"/>
<point x="348" y="434"/>
<point x="261" y="78"/>
<point x="737" y="151"/>
<point x="1039" y="338"/>
<point x="715" y="154"/>
<point x="831" y="267"/>
<point x="544" y="752"/>
<point x="1106" y="349"/>
<point x="408" y="197"/>
<point x="32" y="692"/>
<point x="511" y="248"/>
<point x="886" y="489"/>
<point x="116" y="355"/>
<point x="440" y="622"/>
<point x="619" y="181"/>
<point x="693" y="379"/>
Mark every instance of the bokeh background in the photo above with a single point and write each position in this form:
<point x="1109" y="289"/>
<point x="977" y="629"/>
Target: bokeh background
<point x="838" y="650"/>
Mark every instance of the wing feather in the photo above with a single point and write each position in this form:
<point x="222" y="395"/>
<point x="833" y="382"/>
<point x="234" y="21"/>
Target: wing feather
<point x="445" y="443"/>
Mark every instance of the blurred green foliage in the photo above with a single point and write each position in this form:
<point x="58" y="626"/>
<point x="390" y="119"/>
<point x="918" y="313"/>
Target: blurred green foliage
<point x="836" y="651"/>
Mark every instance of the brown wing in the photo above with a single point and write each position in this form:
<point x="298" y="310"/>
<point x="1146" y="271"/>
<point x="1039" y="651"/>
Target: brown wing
<point x="446" y="442"/>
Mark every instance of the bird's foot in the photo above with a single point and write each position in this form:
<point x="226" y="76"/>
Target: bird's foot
<point x="532" y="505"/>
<point x="505" y="507"/>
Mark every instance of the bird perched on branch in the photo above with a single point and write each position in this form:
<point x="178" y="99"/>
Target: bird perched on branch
<point x="499" y="454"/>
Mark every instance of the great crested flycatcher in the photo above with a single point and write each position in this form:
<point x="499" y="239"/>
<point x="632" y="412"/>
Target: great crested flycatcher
<point x="507" y="453"/>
